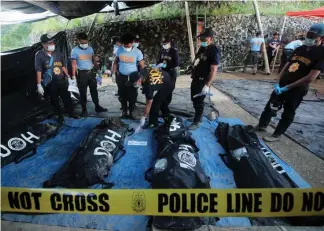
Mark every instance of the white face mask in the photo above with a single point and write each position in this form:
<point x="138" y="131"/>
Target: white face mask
<point x="166" y="46"/>
<point x="51" y="47"/>
<point x="84" y="46"/>
<point x="127" y="49"/>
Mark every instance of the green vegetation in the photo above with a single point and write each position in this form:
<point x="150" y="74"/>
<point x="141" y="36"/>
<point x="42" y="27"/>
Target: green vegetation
<point x="20" y="35"/>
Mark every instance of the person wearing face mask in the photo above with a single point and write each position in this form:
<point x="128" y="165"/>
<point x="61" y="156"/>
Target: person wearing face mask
<point x="82" y="65"/>
<point x="137" y="45"/>
<point x="170" y="58"/>
<point x="302" y="68"/>
<point x="127" y="60"/>
<point x="289" y="49"/>
<point x="204" y="71"/>
<point x="273" y="47"/>
<point x="48" y="60"/>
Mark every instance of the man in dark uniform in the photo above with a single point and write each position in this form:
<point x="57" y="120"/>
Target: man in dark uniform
<point x="273" y="47"/>
<point x="292" y="84"/>
<point x="155" y="80"/>
<point x="204" y="71"/>
<point x="170" y="58"/>
<point x="49" y="59"/>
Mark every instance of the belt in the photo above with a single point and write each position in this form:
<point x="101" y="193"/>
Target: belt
<point x="288" y="49"/>
<point x="84" y="71"/>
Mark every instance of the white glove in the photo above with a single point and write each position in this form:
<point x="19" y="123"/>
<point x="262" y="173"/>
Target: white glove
<point x="73" y="77"/>
<point x="196" y="62"/>
<point x="205" y="90"/>
<point x="113" y="78"/>
<point x="142" y="122"/>
<point x="111" y="58"/>
<point x="40" y="89"/>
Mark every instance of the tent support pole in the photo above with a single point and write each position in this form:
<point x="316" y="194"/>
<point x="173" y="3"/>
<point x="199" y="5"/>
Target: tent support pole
<point x="264" y="51"/>
<point x="280" y="36"/>
<point x="191" y="45"/>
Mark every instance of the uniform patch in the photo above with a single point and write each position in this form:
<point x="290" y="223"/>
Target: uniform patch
<point x="293" y="67"/>
<point x="57" y="70"/>
<point x="138" y="202"/>
<point x="187" y="158"/>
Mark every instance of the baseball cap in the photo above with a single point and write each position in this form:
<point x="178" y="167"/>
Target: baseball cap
<point x="317" y="29"/>
<point x="45" y="39"/>
<point x="166" y="39"/>
<point x="208" y="32"/>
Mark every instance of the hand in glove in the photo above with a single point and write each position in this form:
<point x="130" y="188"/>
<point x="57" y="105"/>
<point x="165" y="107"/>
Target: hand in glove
<point x="142" y="122"/>
<point x="277" y="89"/>
<point x="113" y="78"/>
<point x="164" y="65"/>
<point x="72" y="81"/>
<point x="283" y="89"/>
<point x="40" y="89"/>
<point x="205" y="90"/>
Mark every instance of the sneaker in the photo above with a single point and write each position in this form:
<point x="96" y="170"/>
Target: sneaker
<point x="84" y="113"/>
<point x="272" y="138"/>
<point x="100" y="109"/>
<point x="260" y="129"/>
<point x="194" y="126"/>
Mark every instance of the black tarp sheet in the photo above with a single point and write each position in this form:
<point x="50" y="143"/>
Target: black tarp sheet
<point x="19" y="102"/>
<point x="67" y="9"/>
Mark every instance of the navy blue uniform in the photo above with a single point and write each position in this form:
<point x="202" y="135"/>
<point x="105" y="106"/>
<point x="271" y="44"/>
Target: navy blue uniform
<point x="170" y="57"/>
<point x="163" y="84"/>
<point x="207" y="56"/>
<point x="303" y="60"/>
<point x="59" y="85"/>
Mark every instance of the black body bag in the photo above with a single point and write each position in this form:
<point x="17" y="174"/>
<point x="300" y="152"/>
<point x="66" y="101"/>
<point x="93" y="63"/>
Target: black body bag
<point x="177" y="167"/>
<point x="254" y="167"/>
<point x="22" y="144"/>
<point x="91" y="162"/>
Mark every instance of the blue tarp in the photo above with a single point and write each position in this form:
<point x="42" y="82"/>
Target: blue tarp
<point x="128" y="172"/>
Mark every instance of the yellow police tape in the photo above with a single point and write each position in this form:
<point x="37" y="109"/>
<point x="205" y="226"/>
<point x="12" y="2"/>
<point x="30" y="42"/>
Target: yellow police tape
<point x="167" y="202"/>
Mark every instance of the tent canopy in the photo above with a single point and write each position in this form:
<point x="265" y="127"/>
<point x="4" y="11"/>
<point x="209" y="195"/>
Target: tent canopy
<point x="67" y="9"/>
<point x="316" y="13"/>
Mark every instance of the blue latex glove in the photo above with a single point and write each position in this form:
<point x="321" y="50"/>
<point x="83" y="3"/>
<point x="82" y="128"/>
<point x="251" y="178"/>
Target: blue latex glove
<point x="164" y="65"/>
<point x="277" y="89"/>
<point x="283" y="89"/>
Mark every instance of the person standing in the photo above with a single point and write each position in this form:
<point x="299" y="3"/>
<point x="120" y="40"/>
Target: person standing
<point x="126" y="63"/>
<point x="82" y="65"/>
<point x="51" y="62"/>
<point x="255" y="45"/>
<point x="170" y="58"/>
<point x="293" y="81"/>
<point x="289" y="49"/>
<point x="204" y="71"/>
<point x="273" y="47"/>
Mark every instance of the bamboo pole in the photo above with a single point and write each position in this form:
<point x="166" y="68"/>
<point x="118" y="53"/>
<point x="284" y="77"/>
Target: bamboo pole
<point x="264" y="51"/>
<point x="191" y="45"/>
<point x="280" y="36"/>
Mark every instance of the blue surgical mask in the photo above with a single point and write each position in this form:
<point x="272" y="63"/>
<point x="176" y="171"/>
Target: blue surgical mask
<point x="135" y="45"/>
<point x="309" y="42"/>
<point x="204" y="44"/>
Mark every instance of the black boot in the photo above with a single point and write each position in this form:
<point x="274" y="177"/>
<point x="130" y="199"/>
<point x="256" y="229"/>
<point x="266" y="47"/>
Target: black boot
<point x="124" y="114"/>
<point x="100" y="109"/>
<point x="73" y="115"/>
<point x="131" y="115"/>
<point x="84" y="112"/>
